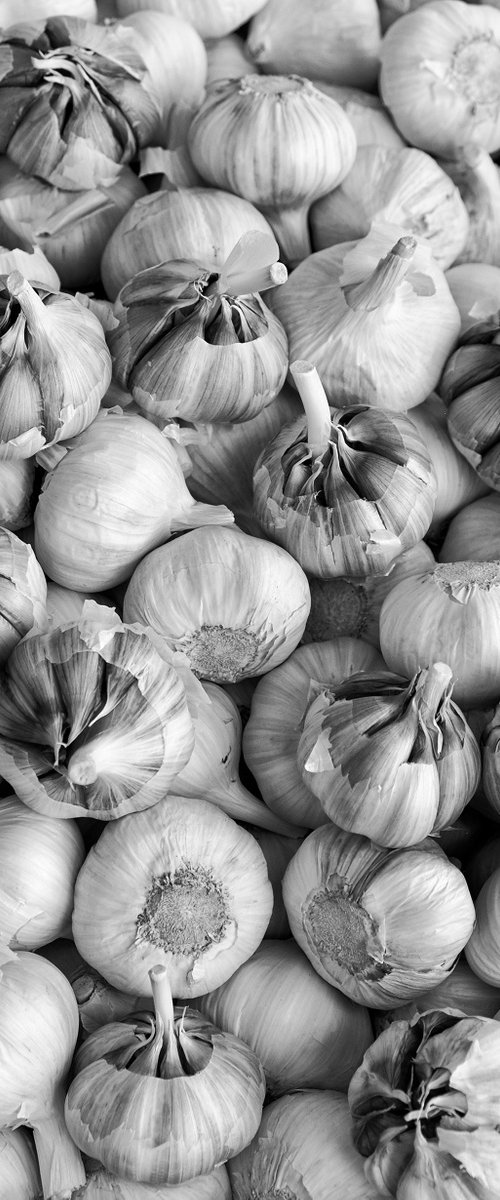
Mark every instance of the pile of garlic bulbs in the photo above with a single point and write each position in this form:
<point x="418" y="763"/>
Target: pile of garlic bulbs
<point x="249" y="619"/>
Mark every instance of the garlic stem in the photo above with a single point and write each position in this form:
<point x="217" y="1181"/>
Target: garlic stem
<point x="436" y="682"/>
<point x="316" y="406"/>
<point x="162" y="997"/>
<point x="380" y="286"/>
<point x="247" y="282"/>
<point x="237" y="802"/>
<point x="59" y="1160"/>
<point x="29" y="301"/>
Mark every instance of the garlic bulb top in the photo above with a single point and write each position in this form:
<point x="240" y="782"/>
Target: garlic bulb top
<point x="440" y="73"/>
<point x="179" y="884"/>
<point x="277" y="140"/>
<point x="69" y="700"/>
<point x="335" y="40"/>
<point x="347" y="490"/>
<point x="200" y="344"/>
<point x="55" y="357"/>
<point x="375" y="316"/>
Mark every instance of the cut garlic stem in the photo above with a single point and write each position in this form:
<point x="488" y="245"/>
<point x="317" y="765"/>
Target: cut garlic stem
<point x="437" y="680"/>
<point x="380" y="286"/>
<point x="316" y="406"/>
<point x="162" y="997"/>
<point x="82" y="769"/>
<point x="29" y="301"/>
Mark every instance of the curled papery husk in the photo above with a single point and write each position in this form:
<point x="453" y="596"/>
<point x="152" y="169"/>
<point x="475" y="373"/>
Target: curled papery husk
<point x="372" y="123"/>
<point x="234" y="605"/>
<point x="304" y="1143"/>
<point x="448" y="614"/>
<point x="267" y="1003"/>
<point x="182" y="885"/>
<point x="39" y="861"/>
<point x="212" y="772"/>
<point x="202" y="345"/>
<point x="197" y="223"/>
<point x="221" y="18"/>
<point x="478" y="179"/>
<point x="118" y="492"/>
<point x="347" y="607"/>
<point x="457" y="482"/>
<point x="439" y="76"/>
<point x="475" y="288"/>
<point x="462" y="990"/>
<point x="38" y="1033"/>
<point x="470" y="387"/>
<point x="142" y="1086"/>
<point x="403" y="186"/>
<point x="98" y="1002"/>
<point x="425" y="1109"/>
<point x="23" y="593"/>
<point x="272" y="732"/>
<point x="68" y="703"/>
<point x="474" y="532"/>
<point x="390" y="760"/>
<point x="65" y="232"/>
<point x="80" y="99"/>
<point x="17" y="480"/>
<point x="375" y="316"/>
<point x="277" y="851"/>
<point x="20" y="1176"/>
<point x="277" y="140"/>
<point x="30" y="261"/>
<point x="222" y="457"/>
<point x="352" y="502"/>
<point x="105" y="1185"/>
<point x="338" y="42"/>
<point x="383" y="925"/>
<point x="56" y="366"/>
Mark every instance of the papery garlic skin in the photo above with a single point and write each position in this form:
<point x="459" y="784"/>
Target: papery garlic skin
<point x="372" y="122"/>
<point x="474" y="532"/>
<point x="381" y="925"/>
<point x="68" y="702"/>
<point x="458" y="484"/>
<point x="233" y="605"/>
<point x="196" y="897"/>
<point x="440" y="68"/>
<point x="32" y="263"/>
<point x="223" y="17"/>
<point x="462" y="990"/>
<point x="23" y="593"/>
<point x="20" y="1175"/>
<point x="478" y="179"/>
<point x="17" y="480"/>
<point x="277" y="140"/>
<point x="105" y="1185"/>
<point x="334" y="41"/>
<point x="39" y="861"/>
<point x="271" y="734"/>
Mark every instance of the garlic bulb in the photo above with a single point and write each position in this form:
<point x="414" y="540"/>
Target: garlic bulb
<point x="402" y="186"/>
<point x="375" y="316"/>
<point x="457" y="482"/>
<point x="425" y="1107"/>
<point x="345" y="490"/>
<point x="98" y="1002"/>
<point x="382" y="925"/>
<point x="233" y="605"/>
<point x="142" y="1086"/>
<point x="181" y="884"/>
<point x="17" y="480"/>
<point x="118" y="492"/>
<point x="227" y="58"/>
<point x="168" y="170"/>
<point x="482" y="949"/>
<point x="20" y="1175"/>
<point x="221" y="18"/>
<point x="474" y="532"/>
<point x="371" y="121"/>
<point x="88" y="96"/>
<point x="68" y="703"/>
<point x="34" y="9"/>
<point x="277" y="140"/>
<point x="470" y="387"/>
<point x="347" y="607"/>
<point x="478" y="179"/>
<point x="39" y="861"/>
<point x="335" y="40"/>
<point x="389" y="760"/>
<point x="212" y="772"/>
<point x="475" y="288"/>
<point x="490" y="746"/>
<point x="304" y="1141"/>
<point x="67" y="231"/>
<point x="23" y="593"/>
<point x="272" y="732"/>
<point x="176" y="61"/>
<point x="55" y="356"/>
<point x="197" y="223"/>
<point x="202" y="345"/>
<point x="439" y="73"/>
<point x="222" y="457"/>
<point x="481" y="865"/>
<point x="448" y="614"/>
<point x="266" y="1003"/>
<point x="462" y="990"/>
<point x="38" y="1032"/>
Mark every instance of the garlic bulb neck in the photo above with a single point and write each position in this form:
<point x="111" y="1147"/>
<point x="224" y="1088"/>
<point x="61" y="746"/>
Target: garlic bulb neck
<point x="162" y="998"/>
<point x="316" y="406"/>
<point x="381" y="285"/>
<point x="436" y="684"/>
